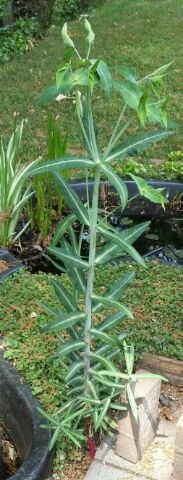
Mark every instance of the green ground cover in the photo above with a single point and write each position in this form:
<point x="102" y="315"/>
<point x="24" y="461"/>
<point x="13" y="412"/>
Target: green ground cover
<point x="135" y="32"/>
<point x="155" y="298"/>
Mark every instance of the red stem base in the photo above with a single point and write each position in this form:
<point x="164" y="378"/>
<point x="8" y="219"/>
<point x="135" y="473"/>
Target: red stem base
<point x="90" y="440"/>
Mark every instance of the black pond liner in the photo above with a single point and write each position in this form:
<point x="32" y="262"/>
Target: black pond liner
<point x="13" y="265"/>
<point x="171" y="187"/>
<point x="19" y="414"/>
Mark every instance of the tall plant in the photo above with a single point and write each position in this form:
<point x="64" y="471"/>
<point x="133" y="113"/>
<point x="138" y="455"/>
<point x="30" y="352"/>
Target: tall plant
<point x="87" y="349"/>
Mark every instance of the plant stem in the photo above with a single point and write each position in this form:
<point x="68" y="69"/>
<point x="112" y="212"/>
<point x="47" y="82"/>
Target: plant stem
<point x="90" y="281"/>
<point x="112" y="140"/>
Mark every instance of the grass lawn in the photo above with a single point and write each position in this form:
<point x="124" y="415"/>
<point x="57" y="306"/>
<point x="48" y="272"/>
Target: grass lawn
<point x="156" y="300"/>
<point x="143" y="34"/>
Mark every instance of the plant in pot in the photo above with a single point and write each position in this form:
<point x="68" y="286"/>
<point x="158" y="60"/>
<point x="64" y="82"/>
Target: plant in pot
<point x="90" y="347"/>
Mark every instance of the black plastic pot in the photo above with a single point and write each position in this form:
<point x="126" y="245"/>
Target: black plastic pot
<point x="19" y="414"/>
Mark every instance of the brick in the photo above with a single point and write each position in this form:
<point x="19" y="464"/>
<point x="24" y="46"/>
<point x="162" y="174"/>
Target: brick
<point x="134" y="438"/>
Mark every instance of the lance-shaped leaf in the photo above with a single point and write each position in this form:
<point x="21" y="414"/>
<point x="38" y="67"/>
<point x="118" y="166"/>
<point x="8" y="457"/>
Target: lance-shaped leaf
<point x="103" y="349"/>
<point x="153" y="194"/>
<point x="137" y="144"/>
<point x="72" y="436"/>
<point x="73" y="200"/>
<point x="55" y="264"/>
<point x="103" y="413"/>
<point x="64" y="163"/>
<point x="111" y="251"/>
<point x="107" y="302"/>
<point x="104" y="381"/>
<point x="125" y="247"/>
<point x="103" y="361"/>
<point x="129" y="357"/>
<point x="77" y="278"/>
<point x="62" y="228"/>
<point x="73" y="370"/>
<point x="65" y="322"/>
<point x="68" y="258"/>
<point x="117" y="183"/>
<point x="70" y="346"/>
<point x="132" y="402"/>
<point x="112" y="340"/>
<point x="115" y="292"/>
<point x="130" y="92"/>
<point x="116" y="406"/>
<point x="112" y="321"/>
<point x="73" y="239"/>
<point x="64" y="296"/>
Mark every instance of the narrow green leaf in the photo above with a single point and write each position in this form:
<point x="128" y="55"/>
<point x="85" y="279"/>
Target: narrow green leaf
<point x="65" y="321"/>
<point x="118" y="183"/>
<point x="113" y="304"/>
<point x="68" y="258"/>
<point x="73" y="370"/>
<point x="104" y="337"/>
<point x="138" y="376"/>
<point x="137" y="144"/>
<point x="64" y="296"/>
<point x="115" y="406"/>
<point x="55" y="437"/>
<point x="103" y="413"/>
<point x="129" y="357"/>
<point x="125" y="247"/>
<point x="64" y="163"/>
<point x="107" y="382"/>
<point x="132" y="402"/>
<point x="111" y="373"/>
<point x="112" y="321"/>
<point x="70" y="346"/>
<point x="55" y="264"/>
<point x="77" y="278"/>
<point x="111" y="251"/>
<point x="116" y="290"/>
<point x="73" y="200"/>
<point x="71" y="436"/>
<point x="103" y="361"/>
<point x="62" y="228"/>
<point x="91" y="401"/>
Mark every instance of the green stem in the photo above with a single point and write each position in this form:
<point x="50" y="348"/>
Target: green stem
<point x="90" y="281"/>
<point x="112" y="140"/>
